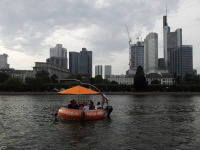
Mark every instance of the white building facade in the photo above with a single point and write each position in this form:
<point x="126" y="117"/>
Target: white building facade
<point x="163" y="78"/>
<point x="121" y="79"/>
<point x="167" y="81"/>
<point x="22" y="74"/>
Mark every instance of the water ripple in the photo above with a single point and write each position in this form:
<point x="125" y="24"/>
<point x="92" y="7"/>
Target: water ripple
<point x="137" y="122"/>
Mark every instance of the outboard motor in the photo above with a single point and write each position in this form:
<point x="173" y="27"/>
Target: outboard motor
<point x="56" y="116"/>
<point x="108" y="109"/>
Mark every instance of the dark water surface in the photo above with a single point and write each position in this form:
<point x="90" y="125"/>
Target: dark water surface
<point x="137" y="122"/>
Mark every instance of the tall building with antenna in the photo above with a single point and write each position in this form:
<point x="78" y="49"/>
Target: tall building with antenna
<point x="171" y="40"/>
<point x="166" y="30"/>
<point x="178" y="58"/>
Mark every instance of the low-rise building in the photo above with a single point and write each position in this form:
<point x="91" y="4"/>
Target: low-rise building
<point x="164" y="78"/>
<point x="23" y="74"/>
<point x="61" y="73"/>
<point x="152" y="77"/>
<point x="121" y="79"/>
<point x="167" y="79"/>
<point x="7" y="71"/>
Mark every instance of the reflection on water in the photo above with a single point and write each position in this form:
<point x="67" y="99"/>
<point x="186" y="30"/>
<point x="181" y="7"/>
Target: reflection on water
<point x="137" y="122"/>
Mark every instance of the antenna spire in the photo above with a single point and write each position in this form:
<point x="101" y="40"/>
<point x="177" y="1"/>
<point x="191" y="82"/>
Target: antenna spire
<point x="165" y="18"/>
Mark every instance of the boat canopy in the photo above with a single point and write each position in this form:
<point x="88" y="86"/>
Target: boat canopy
<point x="78" y="90"/>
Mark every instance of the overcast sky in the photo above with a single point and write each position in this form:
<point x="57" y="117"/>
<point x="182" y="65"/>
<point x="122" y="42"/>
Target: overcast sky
<point x="28" y="28"/>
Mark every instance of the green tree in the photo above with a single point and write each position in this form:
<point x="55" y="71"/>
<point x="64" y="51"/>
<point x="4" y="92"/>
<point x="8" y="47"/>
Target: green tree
<point x="54" y="78"/>
<point x="14" y="84"/>
<point x="197" y="79"/>
<point x="98" y="79"/>
<point x="72" y="77"/>
<point x="155" y="82"/>
<point x="140" y="82"/>
<point x="113" y="82"/>
<point x="3" y="77"/>
<point x="79" y="77"/>
<point x="177" y="79"/>
<point x="92" y="80"/>
<point x="33" y="84"/>
<point x="191" y="79"/>
<point x="43" y="76"/>
<point x="106" y="81"/>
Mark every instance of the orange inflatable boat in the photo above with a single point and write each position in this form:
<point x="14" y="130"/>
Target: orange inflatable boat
<point x="75" y="114"/>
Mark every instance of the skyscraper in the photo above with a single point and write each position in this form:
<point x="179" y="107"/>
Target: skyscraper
<point x="85" y="62"/>
<point x="161" y="64"/>
<point x="182" y="60"/>
<point x="186" y="52"/>
<point x="136" y="56"/>
<point x="3" y="61"/>
<point x="108" y="70"/>
<point x="81" y="63"/>
<point x="73" y="62"/>
<point x="58" y="51"/>
<point x="166" y="30"/>
<point x="98" y="70"/>
<point x="151" y="53"/>
<point x="172" y="40"/>
<point x="178" y="57"/>
<point x="58" y="56"/>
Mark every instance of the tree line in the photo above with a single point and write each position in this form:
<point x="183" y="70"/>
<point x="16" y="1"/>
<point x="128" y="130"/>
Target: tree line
<point x="43" y="82"/>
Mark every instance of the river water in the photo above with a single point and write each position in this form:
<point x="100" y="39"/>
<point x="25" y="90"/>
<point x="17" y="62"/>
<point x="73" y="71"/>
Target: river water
<point x="137" y="122"/>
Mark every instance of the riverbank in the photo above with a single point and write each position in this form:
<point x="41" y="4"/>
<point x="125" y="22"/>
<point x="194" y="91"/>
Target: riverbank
<point x="107" y="93"/>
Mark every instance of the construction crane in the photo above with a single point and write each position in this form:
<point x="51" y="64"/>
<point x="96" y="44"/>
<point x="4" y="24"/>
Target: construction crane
<point x="129" y="41"/>
<point x="129" y="38"/>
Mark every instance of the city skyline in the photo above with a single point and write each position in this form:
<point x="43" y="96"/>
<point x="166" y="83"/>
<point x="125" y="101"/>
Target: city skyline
<point x="31" y="37"/>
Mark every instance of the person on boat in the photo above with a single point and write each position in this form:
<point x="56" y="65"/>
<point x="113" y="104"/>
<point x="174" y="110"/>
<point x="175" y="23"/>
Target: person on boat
<point x="70" y="105"/>
<point x="81" y="106"/>
<point x="86" y="107"/>
<point x="75" y="105"/>
<point x="91" y="105"/>
<point x="98" y="106"/>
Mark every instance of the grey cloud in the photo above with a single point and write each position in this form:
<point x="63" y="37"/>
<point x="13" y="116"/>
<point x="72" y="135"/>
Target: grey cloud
<point x="35" y="20"/>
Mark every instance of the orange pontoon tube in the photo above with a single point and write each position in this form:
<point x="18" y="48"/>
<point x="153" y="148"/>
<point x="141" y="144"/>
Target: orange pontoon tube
<point x="75" y="114"/>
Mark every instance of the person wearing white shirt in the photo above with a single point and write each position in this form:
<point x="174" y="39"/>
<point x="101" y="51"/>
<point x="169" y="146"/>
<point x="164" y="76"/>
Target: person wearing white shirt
<point x="98" y="106"/>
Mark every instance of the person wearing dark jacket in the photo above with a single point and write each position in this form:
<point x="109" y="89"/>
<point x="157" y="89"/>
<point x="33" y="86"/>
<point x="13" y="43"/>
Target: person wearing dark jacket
<point x="91" y="105"/>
